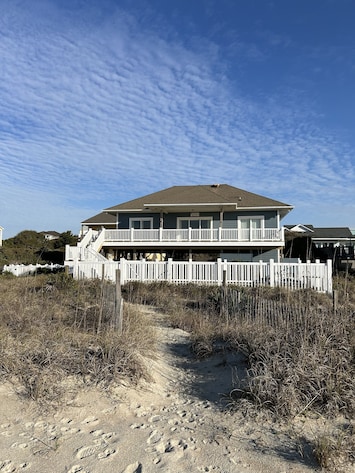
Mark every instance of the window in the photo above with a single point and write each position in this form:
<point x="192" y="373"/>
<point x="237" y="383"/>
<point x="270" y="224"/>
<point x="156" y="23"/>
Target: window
<point x="196" y="223"/>
<point x="141" y="223"/>
<point x="251" y="227"/>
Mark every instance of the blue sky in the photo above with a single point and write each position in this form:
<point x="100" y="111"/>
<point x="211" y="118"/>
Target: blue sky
<point x="105" y="101"/>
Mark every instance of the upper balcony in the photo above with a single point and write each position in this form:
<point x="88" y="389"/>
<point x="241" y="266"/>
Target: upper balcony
<point x="93" y="241"/>
<point x="191" y="235"/>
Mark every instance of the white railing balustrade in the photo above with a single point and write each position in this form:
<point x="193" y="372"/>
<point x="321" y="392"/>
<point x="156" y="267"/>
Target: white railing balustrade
<point x="72" y="252"/>
<point x="192" y="234"/>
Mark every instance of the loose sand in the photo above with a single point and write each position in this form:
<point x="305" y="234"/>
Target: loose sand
<point x="174" y="424"/>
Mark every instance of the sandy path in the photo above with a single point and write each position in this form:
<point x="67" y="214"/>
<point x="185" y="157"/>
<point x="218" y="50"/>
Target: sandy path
<point x="175" y="424"/>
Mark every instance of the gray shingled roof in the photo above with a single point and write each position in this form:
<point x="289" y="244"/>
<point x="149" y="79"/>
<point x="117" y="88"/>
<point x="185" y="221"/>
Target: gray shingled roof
<point x="101" y="219"/>
<point x="325" y="233"/>
<point x="201" y="194"/>
<point x="332" y="233"/>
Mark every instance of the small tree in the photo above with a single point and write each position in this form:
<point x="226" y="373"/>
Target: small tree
<point x="65" y="238"/>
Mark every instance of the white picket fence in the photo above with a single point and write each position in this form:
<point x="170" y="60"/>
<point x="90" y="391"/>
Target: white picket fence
<point x="317" y="276"/>
<point x="27" y="269"/>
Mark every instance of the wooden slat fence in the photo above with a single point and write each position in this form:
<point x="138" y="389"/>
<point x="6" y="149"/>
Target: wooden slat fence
<point x="260" y="311"/>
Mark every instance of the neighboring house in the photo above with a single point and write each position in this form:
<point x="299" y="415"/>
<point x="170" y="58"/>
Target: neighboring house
<point x="308" y="243"/>
<point x="51" y="235"/>
<point x="1" y="230"/>
<point x="202" y="222"/>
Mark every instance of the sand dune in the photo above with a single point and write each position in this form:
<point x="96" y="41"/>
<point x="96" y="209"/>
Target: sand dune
<point x="173" y="424"/>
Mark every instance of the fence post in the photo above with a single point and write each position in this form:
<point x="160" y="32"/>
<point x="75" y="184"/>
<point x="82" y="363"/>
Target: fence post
<point x="76" y="269"/>
<point x="169" y="270"/>
<point x="224" y="304"/>
<point x="272" y="273"/>
<point x="122" y="267"/>
<point x="142" y="266"/>
<point x="224" y="277"/>
<point x="118" y="314"/>
<point x="189" y="270"/>
<point x="101" y="298"/>
<point x="329" y="276"/>
<point x="219" y="271"/>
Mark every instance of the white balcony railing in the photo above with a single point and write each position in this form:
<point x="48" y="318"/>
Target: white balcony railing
<point x="194" y="235"/>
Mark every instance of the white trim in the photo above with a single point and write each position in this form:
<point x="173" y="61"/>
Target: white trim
<point x="275" y="207"/>
<point x="191" y="204"/>
<point x="300" y="229"/>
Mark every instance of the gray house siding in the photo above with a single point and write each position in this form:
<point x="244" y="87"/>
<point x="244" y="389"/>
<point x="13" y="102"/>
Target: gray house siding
<point x="230" y="219"/>
<point x="123" y="219"/>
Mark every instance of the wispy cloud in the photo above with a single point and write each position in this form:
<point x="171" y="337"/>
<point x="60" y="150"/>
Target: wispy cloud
<point x="96" y="109"/>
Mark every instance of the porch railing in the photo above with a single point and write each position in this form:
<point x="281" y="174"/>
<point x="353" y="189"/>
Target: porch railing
<point x="194" y="235"/>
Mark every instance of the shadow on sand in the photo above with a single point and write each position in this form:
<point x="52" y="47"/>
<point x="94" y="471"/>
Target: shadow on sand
<point x="210" y="379"/>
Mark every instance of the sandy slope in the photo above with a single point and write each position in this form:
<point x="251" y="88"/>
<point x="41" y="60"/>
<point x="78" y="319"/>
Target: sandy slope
<point x="175" y="424"/>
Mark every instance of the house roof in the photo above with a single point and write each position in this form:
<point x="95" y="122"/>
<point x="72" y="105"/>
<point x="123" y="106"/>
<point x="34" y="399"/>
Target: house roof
<point x="101" y="219"/>
<point x="201" y="197"/>
<point x="300" y="228"/>
<point x="321" y="233"/>
<point x="53" y="233"/>
<point x="332" y="233"/>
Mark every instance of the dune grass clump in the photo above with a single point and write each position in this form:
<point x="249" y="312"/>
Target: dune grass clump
<point x="292" y="371"/>
<point x="300" y="351"/>
<point x="54" y="329"/>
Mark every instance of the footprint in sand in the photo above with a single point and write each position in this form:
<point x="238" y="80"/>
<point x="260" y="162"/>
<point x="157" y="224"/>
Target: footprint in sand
<point x="66" y="420"/>
<point x="41" y="424"/>
<point x="155" y="418"/>
<point x="106" y="453"/>
<point x="90" y="420"/>
<point x="133" y="468"/>
<point x="23" y="466"/>
<point x="154" y="437"/>
<point x="97" y="433"/>
<point x="110" y="437"/>
<point x="6" y="466"/>
<point x="85" y="452"/>
<point x="77" y="469"/>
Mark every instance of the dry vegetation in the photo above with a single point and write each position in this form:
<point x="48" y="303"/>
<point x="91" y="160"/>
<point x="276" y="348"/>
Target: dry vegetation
<point x="300" y="352"/>
<point x="56" y="334"/>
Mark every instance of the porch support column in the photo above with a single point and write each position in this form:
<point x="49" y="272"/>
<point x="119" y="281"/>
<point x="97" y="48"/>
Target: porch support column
<point x="161" y="225"/>
<point x="220" y="226"/>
